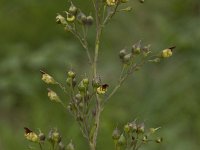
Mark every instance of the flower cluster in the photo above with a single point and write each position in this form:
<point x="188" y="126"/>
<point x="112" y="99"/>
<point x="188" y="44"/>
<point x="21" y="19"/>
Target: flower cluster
<point x="53" y="138"/>
<point x="87" y="95"/>
<point x="71" y="15"/>
<point x="134" y="135"/>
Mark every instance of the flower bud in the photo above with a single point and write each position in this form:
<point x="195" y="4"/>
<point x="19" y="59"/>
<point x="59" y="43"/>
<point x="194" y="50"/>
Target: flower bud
<point x="61" y="146"/>
<point x="140" y="128"/>
<point x="47" y="78"/>
<point x="41" y="137"/>
<point x="127" y="128"/>
<point x="146" y="50"/>
<point x="70" y="146"/>
<point x="96" y="82"/>
<point x="53" y="96"/>
<point x="111" y="2"/>
<point x="72" y="9"/>
<point x="69" y="81"/>
<point x="133" y="126"/>
<point x="81" y="87"/>
<point x="71" y="74"/>
<point x="82" y="18"/>
<point x="81" y="104"/>
<point x="86" y="82"/>
<point x="145" y="139"/>
<point x="159" y="140"/>
<point x="78" y="97"/>
<point x="122" y="140"/>
<point x="122" y="53"/>
<point x="60" y="19"/>
<point x="56" y="136"/>
<point x="136" y="49"/>
<point x="89" y="20"/>
<point x="127" y="58"/>
<point x="116" y="134"/>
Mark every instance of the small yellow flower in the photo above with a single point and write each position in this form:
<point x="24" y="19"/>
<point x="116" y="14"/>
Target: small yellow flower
<point x="111" y="2"/>
<point x="167" y="52"/>
<point x="70" y="17"/>
<point x="47" y="78"/>
<point x="102" y="89"/>
<point x="30" y="135"/>
<point x="53" y="96"/>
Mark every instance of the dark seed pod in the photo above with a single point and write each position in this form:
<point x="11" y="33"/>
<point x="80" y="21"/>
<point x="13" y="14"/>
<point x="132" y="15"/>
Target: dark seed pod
<point x="89" y="20"/>
<point x="42" y="137"/>
<point x="82" y="18"/>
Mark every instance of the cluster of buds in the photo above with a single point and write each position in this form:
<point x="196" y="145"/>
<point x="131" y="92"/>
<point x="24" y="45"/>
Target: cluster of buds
<point x="136" y="49"/>
<point x="53" y="137"/>
<point x="74" y="14"/>
<point x="136" y="132"/>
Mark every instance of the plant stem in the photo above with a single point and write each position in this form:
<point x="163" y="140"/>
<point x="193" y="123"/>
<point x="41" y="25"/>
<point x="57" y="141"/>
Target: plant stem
<point x="40" y="146"/>
<point x="93" y="140"/>
<point x="83" y="42"/>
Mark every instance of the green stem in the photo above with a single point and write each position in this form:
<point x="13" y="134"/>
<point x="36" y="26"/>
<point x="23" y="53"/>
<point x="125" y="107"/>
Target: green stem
<point x="40" y="146"/>
<point x="83" y="43"/>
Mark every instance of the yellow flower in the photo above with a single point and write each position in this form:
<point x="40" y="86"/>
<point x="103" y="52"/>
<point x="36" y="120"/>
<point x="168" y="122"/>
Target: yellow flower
<point x="30" y="135"/>
<point x="70" y="17"/>
<point x="102" y="89"/>
<point x="111" y="2"/>
<point x="47" y="78"/>
<point x="167" y="52"/>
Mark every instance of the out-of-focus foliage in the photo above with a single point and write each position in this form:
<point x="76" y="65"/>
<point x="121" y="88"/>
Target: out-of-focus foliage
<point x="164" y="95"/>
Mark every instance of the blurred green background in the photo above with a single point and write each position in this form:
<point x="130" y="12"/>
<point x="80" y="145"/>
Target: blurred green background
<point x="165" y="94"/>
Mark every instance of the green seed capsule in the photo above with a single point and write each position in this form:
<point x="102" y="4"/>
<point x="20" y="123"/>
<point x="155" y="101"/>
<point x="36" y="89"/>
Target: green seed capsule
<point x="122" y="140"/>
<point x="71" y="74"/>
<point x="72" y="9"/>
